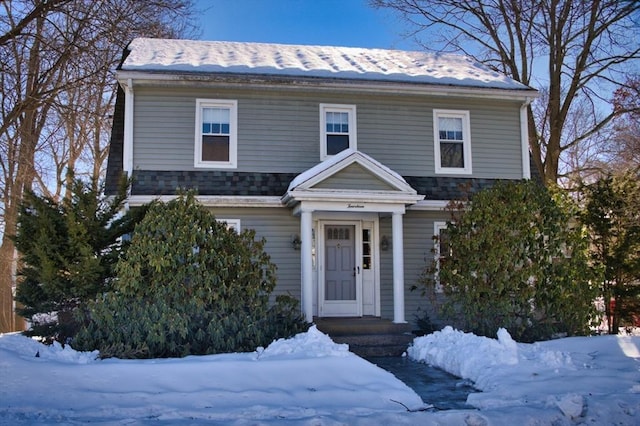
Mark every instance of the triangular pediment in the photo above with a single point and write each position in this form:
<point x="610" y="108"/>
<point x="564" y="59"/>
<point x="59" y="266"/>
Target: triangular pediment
<point x="351" y="173"/>
<point x="355" y="177"/>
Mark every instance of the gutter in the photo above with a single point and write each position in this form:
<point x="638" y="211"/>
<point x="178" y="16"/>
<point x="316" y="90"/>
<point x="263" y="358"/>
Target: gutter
<point x="229" y="80"/>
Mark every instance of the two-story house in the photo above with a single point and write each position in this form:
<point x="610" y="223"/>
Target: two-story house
<point x="342" y="158"/>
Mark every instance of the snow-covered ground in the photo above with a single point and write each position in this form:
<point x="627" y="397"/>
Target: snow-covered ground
<point x="310" y="380"/>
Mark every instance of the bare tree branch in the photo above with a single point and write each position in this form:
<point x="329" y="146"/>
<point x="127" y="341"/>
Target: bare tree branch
<point x="56" y="61"/>
<point x="585" y="46"/>
<point x="40" y="9"/>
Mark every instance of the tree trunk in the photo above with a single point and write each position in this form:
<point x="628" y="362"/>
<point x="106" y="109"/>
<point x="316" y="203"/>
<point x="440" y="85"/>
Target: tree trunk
<point x="8" y="321"/>
<point x="534" y="143"/>
<point x="29" y="133"/>
<point x="24" y="177"/>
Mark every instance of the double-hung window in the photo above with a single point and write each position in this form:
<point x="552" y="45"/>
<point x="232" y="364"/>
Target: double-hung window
<point x="216" y="140"/>
<point x="442" y="249"/>
<point x="452" y="141"/>
<point x="337" y="129"/>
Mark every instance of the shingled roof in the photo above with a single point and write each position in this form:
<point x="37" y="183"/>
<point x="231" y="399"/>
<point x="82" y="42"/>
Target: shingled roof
<point x="195" y="56"/>
<point x="180" y="57"/>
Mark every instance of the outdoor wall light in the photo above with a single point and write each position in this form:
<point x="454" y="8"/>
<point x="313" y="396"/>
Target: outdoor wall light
<point x="384" y="243"/>
<point x="296" y="242"/>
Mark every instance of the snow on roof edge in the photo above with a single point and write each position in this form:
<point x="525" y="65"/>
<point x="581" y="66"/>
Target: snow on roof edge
<point x="349" y="63"/>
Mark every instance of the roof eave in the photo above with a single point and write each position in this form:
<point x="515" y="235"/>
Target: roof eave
<point x="296" y="82"/>
<point x="213" y="200"/>
<point x="385" y="197"/>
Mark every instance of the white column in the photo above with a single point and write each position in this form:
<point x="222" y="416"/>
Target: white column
<point x="306" y="267"/>
<point x="398" y="268"/>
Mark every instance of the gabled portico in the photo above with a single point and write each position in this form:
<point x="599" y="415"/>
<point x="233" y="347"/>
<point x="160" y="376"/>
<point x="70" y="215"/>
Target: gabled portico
<point x="339" y="202"/>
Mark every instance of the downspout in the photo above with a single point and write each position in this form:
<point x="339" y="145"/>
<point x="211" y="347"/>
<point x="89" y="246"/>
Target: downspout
<point x="127" y="149"/>
<point x="524" y="139"/>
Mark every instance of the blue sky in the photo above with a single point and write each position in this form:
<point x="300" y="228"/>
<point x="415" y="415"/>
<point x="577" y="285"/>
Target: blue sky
<point x="351" y="23"/>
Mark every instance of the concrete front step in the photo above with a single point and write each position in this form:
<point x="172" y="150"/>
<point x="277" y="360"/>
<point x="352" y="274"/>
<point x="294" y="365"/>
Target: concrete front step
<point x="375" y="339"/>
<point x="357" y="326"/>
<point x="368" y="336"/>
<point x="376" y="344"/>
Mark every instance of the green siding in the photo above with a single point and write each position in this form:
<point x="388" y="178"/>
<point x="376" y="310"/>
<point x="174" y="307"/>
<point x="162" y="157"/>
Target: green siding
<point x="418" y="246"/>
<point x="355" y="176"/>
<point x="276" y="226"/>
<point x="279" y="131"/>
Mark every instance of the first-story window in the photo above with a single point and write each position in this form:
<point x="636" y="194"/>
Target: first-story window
<point x="442" y="249"/>
<point x="231" y="224"/>
<point x="367" y="253"/>
<point x="337" y="129"/>
<point x="452" y="141"/>
<point x="216" y="140"/>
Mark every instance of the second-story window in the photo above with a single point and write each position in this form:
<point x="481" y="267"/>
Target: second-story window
<point x="452" y="141"/>
<point x="216" y="140"/>
<point x="337" y="129"/>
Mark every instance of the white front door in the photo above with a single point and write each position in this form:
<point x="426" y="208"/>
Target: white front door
<point x="341" y="284"/>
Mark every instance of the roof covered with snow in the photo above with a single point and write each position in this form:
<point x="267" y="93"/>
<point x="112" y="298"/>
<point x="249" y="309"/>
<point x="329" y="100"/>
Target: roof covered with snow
<point x="192" y="56"/>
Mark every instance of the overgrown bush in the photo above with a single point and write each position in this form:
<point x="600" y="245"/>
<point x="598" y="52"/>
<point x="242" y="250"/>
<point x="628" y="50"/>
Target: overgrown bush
<point x="517" y="261"/>
<point x="68" y="252"/>
<point x="189" y="285"/>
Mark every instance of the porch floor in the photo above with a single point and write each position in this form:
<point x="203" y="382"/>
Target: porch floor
<point x="368" y="336"/>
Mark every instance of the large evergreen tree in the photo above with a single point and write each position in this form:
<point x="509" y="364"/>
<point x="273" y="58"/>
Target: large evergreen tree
<point x="69" y="251"/>
<point x="612" y="216"/>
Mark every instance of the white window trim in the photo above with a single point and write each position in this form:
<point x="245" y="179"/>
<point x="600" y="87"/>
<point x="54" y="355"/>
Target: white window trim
<point x="233" y="134"/>
<point x="437" y="227"/>
<point x="231" y="223"/>
<point x="353" y="132"/>
<point x="466" y="141"/>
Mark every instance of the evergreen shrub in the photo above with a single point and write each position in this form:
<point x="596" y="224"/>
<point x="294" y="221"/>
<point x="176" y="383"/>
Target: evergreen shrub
<point x="189" y="285"/>
<point x="612" y="216"/>
<point x="517" y="260"/>
<point x="68" y="250"/>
